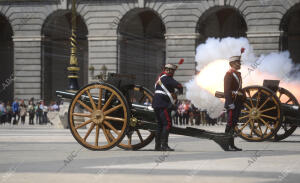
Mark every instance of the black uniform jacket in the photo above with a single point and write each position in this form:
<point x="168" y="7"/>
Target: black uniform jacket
<point x="231" y="83"/>
<point x="162" y="100"/>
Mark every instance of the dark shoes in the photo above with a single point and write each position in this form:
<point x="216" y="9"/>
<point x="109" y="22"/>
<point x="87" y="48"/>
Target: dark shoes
<point x="164" y="148"/>
<point x="167" y="148"/>
<point x="233" y="148"/>
<point x="157" y="148"/>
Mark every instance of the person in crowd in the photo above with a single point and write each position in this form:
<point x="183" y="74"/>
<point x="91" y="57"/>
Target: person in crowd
<point x="45" y="114"/>
<point x="186" y="113"/>
<point x="16" y="111"/>
<point x="37" y="113"/>
<point x="197" y="117"/>
<point x="41" y="112"/>
<point x="147" y="102"/>
<point x="163" y="103"/>
<point x="31" y="111"/>
<point x="23" y="111"/>
<point x="2" y="112"/>
<point x="192" y="114"/>
<point x="9" y="112"/>
<point x="180" y="112"/>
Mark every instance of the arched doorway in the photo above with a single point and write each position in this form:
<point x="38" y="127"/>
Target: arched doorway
<point x="290" y="39"/>
<point x="6" y="61"/>
<point x="56" y="53"/>
<point x="221" y="22"/>
<point x="141" y="46"/>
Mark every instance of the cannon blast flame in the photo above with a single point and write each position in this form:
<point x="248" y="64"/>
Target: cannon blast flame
<point x="212" y="64"/>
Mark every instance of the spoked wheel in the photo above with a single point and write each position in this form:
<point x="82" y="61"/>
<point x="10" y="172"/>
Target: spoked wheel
<point x="260" y="117"/>
<point x="287" y="127"/>
<point x="98" y="116"/>
<point x="136" y="138"/>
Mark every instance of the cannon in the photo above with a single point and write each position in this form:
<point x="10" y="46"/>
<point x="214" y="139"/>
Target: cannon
<point x="117" y="112"/>
<point x="268" y="112"/>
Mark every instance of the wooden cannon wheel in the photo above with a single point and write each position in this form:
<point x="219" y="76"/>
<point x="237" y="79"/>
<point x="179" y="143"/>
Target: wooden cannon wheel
<point x="260" y="117"/>
<point x="287" y="128"/>
<point x="98" y="116"/>
<point x="137" y="138"/>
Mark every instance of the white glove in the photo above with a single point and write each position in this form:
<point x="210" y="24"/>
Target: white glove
<point x="231" y="106"/>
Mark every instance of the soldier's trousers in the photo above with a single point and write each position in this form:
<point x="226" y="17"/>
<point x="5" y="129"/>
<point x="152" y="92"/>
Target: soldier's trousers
<point x="164" y="124"/>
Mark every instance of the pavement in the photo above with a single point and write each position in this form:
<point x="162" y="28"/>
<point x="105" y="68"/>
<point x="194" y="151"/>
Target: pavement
<point x="30" y="154"/>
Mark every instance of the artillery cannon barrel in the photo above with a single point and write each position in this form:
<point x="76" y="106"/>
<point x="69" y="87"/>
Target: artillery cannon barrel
<point x="70" y="95"/>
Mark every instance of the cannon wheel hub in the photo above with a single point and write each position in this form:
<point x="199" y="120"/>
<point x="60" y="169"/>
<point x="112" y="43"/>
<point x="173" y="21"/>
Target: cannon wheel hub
<point x="98" y="117"/>
<point x="254" y="113"/>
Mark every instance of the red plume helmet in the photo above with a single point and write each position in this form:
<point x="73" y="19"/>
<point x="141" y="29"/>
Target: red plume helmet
<point x="242" y="50"/>
<point x="181" y="61"/>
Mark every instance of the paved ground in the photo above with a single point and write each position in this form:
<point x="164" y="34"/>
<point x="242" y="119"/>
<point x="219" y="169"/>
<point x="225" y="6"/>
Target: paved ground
<point x="44" y="154"/>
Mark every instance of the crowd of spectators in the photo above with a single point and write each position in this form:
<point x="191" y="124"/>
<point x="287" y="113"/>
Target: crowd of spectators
<point x="188" y="114"/>
<point x="37" y="112"/>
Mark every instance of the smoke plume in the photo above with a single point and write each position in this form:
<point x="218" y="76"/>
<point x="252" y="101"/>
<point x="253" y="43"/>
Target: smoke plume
<point x="212" y="62"/>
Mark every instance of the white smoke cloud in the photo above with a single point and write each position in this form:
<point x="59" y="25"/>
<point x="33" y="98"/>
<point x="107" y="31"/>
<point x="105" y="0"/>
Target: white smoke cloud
<point x="254" y="70"/>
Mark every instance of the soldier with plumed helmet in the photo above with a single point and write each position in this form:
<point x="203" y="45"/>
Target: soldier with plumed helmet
<point x="233" y="96"/>
<point x="163" y="104"/>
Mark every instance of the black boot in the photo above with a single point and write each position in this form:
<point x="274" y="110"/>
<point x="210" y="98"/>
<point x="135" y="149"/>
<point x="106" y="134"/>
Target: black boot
<point x="230" y="131"/>
<point x="232" y="147"/>
<point x="165" y="139"/>
<point x="157" y="142"/>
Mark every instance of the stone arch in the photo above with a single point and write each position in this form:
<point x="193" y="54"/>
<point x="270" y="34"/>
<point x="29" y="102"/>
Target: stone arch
<point x="56" y="32"/>
<point x="290" y="39"/>
<point x="6" y="61"/>
<point x="220" y="22"/>
<point x="141" y="45"/>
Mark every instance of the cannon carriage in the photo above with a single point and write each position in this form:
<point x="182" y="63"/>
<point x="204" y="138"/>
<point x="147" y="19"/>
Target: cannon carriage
<point x="269" y="112"/>
<point x="118" y="112"/>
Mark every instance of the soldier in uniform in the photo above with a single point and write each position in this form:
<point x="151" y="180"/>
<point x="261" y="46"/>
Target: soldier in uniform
<point x="163" y="104"/>
<point x="233" y="97"/>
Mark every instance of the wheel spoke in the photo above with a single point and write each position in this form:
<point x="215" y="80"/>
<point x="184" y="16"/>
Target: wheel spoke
<point x="240" y="118"/>
<point x="288" y="101"/>
<point x="267" y="100"/>
<point x="267" y="116"/>
<point x="142" y="99"/>
<point x="247" y="106"/>
<point x="260" y="129"/>
<point x="91" y="100"/>
<point x="89" y="131"/>
<point x="267" y="125"/>
<point x="244" y="125"/>
<point x="82" y="114"/>
<point x="114" y="119"/>
<point x="112" y="109"/>
<point x="83" y="124"/>
<point x="140" y="136"/>
<point x="245" y="111"/>
<point x="97" y="135"/>
<point x="269" y="109"/>
<point x="258" y="99"/>
<point x="250" y="98"/>
<point x="85" y="106"/>
<point x="105" y="133"/>
<point x="129" y="139"/>
<point x="108" y="101"/>
<point x="100" y="99"/>
<point x="111" y="127"/>
<point x="252" y="127"/>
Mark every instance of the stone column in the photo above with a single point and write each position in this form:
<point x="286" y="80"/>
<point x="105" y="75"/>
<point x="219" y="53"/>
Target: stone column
<point x="27" y="67"/>
<point x="182" y="46"/>
<point x="103" y="50"/>
<point x="265" y="42"/>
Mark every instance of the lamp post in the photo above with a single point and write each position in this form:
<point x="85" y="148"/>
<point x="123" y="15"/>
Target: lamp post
<point x="73" y="67"/>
